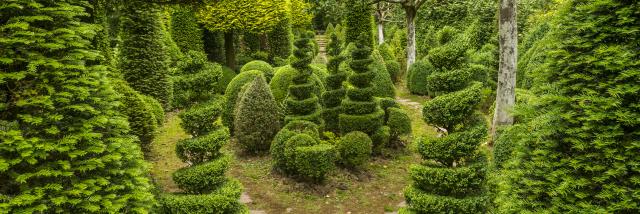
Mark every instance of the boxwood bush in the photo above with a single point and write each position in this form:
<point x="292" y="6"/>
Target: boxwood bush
<point x="398" y="122"/>
<point x="195" y="80"/>
<point x="201" y="149"/>
<point x="417" y="77"/>
<point x="232" y="93"/>
<point x="283" y="78"/>
<point x="225" y="79"/>
<point x="314" y="162"/>
<point x="301" y="103"/>
<point x="203" y="177"/>
<point x="332" y="98"/>
<point x="354" y="149"/>
<point x="222" y="201"/>
<point x="256" y="117"/>
<point x="156" y="108"/>
<point x="138" y="112"/>
<point x="202" y="118"/>
<point x="261" y="66"/>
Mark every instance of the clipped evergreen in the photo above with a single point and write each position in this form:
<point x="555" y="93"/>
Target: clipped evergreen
<point x="139" y="113"/>
<point x="205" y="187"/>
<point x="354" y="149"/>
<point x="580" y="149"/>
<point x="359" y="23"/>
<point x="155" y="107"/>
<point x="332" y="98"/>
<point x="399" y="122"/>
<point x="185" y="30"/>
<point x="232" y="93"/>
<point x="417" y="77"/>
<point x="64" y="147"/>
<point x="382" y="82"/>
<point x="227" y="76"/>
<point x="142" y="53"/>
<point x="301" y="103"/>
<point x="280" y="42"/>
<point x="256" y="117"/>
<point x="195" y="80"/>
<point x="360" y="111"/>
<point x="259" y="65"/>
<point x="453" y="175"/>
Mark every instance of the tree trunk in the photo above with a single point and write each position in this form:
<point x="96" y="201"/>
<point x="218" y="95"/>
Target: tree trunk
<point x="263" y="42"/>
<point x="505" y="94"/>
<point x="411" y="35"/>
<point x="380" y="32"/>
<point x="229" y="50"/>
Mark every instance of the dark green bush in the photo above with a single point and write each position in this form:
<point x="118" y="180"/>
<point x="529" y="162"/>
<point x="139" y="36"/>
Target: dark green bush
<point x="232" y="93"/>
<point x="202" y="118"/>
<point x="314" y="162"/>
<point x="204" y="177"/>
<point x="354" y="149"/>
<point x="299" y="94"/>
<point x="417" y="77"/>
<point x="227" y="76"/>
<point x="64" y="147"/>
<point x="156" y="108"/>
<point x="288" y="131"/>
<point x="291" y="145"/>
<point x="280" y="42"/>
<point x="382" y="81"/>
<point x="283" y="78"/>
<point x="440" y="82"/>
<point x="195" y="80"/>
<point x="256" y="117"/>
<point x="142" y="54"/>
<point x="453" y="109"/>
<point x="359" y="23"/>
<point x="399" y="122"/>
<point x="261" y="66"/>
<point x="139" y="114"/>
<point x="423" y="202"/>
<point x="185" y="29"/>
<point x="367" y="123"/>
<point x="222" y="201"/>
<point x="381" y="139"/>
<point x="393" y="68"/>
<point x="202" y="149"/>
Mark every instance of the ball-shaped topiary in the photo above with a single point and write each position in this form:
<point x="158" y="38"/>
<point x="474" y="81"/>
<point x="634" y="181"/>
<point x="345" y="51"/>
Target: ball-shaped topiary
<point x="232" y="93"/>
<point x="261" y="66"/>
<point x="354" y="149"/>
<point x="288" y="131"/>
<point x="398" y="122"/>
<point x="256" y="117"/>
<point x="195" y="79"/>
<point x="202" y="118"/>
<point x="417" y="77"/>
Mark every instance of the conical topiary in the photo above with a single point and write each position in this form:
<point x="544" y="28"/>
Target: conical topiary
<point x="332" y="98"/>
<point x="301" y="102"/>
<point x="256" y="117"/>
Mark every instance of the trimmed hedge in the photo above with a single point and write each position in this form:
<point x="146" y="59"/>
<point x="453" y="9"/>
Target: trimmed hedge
<point x="393" y="68"/>
<point x="195" y="80"/>
<point x="417" y="77"/>
<point x="156" y="108"/>
<point x="202" y="149"/>
<point x="259" y="65"/>
<point x="142" y="53"/>
<point x="202" y="118"/>
<point x="359" y="23"/>
<point x="354" y="149"/>
<point x="185" y="29"/>
<point x="204" y="177"/>
<point x="399" y="122"/>
<point x="453" y="109"/>
<point x="222" y="201"/>
<point x="382" y="81"/>
<point x="139" y="114"/>
<point x="256" y="117"/>
<point x="314" y="162"/>
<point x="232" y="93"/>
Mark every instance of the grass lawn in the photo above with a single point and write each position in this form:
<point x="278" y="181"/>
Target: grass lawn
<point x="377" y="189"/>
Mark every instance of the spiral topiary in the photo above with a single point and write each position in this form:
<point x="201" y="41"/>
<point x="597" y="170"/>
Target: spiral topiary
<point x="301" y="102"/>
<point x="206" y="188"/>
<point x="332" y="98"/>
<point x="360" y="111"/>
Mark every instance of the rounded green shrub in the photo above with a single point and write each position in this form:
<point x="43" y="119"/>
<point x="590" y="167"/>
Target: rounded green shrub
<point x="223" y="200"/>
<point x="256" y="117"/>
<point x="232" y="93"/>
<point x="290" y="146"/>
<point x="202" y="118"/>
<point x="203" y="177"/>
<point x="227" y="76"/>
<point x="446" y="81"/>
<point x="381" y="139"/>
<point x="156" y="108"/>
<point x="291" y="129"/>
<point x="202" y="149"/>
<point x="138" y="112"/>
<point x="398" y="122"/>
<point x="417" y="77"/>
<point x="314" y="162"/>
<point x="453" y="109"/>
<point x="261" y="66"/>
<point x="354" y="149"/>
<point x="194" y="80"/>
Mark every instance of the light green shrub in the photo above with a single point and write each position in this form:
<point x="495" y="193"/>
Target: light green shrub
<point x="232" y="93"/>
<point x="202" y="118"/>
<point x="261" y="66"/>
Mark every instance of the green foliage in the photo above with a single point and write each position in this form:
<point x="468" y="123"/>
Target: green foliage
<point x="417" y="77"/>
<point x="202" y="149"/>
<point x="155" y="108"/>
<point x="301" y="103"/>
<point x="138" y="112"/>
<point x="382" y="81"/>
<point x="280" y="42"/>
<point x="359" y="23"/>
<point x="232" y="93"/>
<point x="214" y="46"/>
<point x="242" y="15"/>
<point x="288" y="131"/>
<point x="332" y="98"/>
<point x="64" y="147"/>
<point x="314" y="162"/>
<point x="256" y="116"/>
<point x="381" y="139"/>
<point x="393" y="68"/>
<point x="258" y="65"/>
<point x="227" y="76"/>
<point x="195" y="80"/>
<point x="453" y="109"/>
<point x="579" y="151"/>
<point x="399" y="122"/>
<point x="329" y="30"/>
<point x="222" y="201"/>
<point x="202" y="118"/>
<point x="283" y="78"/>
<point x="142" y="52"/>
<point x="185" y="30"/>
<point x="354" y="149"/>
<point x="204" y="177"/>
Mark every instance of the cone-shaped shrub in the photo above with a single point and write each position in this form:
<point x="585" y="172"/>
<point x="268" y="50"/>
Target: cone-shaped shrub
<point x="142" y="54"/>
<point x="138" y="112"/>
<point x="232" y="93"/>
<point x="206" y="188"/>
<point x="453" y="175"/>
<point x="301" y="102"/>
<point x="64" y="148"/>
<point x="283" y="78"/>
<point x="382" y="82"/>
<point x="185" y="30"/>
<point x="417" y="77"/>
<point x="332" y="98"/>
<point x="280" y="42"/>
<point x="256" y="117"/>
<point x="360" y="111"/>
<point x="579" y="150"/>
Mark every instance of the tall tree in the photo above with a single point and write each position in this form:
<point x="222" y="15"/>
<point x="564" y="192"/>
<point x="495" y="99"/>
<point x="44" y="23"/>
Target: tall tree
<point x="411" y="8"/>
<point x="382" y="12"/>
<point x="64" y="148"/>
<point x="506" y="92"/>
<point x="143" y="55"/>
